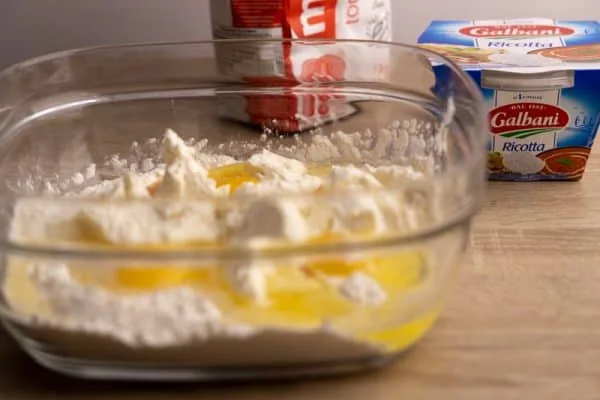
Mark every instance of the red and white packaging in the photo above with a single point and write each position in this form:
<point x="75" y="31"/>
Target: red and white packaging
<point x="302" y="63"/>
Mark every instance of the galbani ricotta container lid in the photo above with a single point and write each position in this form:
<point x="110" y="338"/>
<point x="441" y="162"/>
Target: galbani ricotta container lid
<point x="525" y="45"/>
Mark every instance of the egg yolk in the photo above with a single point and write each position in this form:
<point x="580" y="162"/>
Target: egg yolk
<point x="235" y="175"/>
<point x="301" y="294"/>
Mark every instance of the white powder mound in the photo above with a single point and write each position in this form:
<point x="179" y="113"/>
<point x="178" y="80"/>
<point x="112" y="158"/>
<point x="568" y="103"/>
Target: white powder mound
<point x="180" y="316"/>
<point x="522" y="162"/>
<point x="161" y="318"/>
<point x="364" y="289"/>
<point x="523" y="60"/>
<point x="411" y="144"/>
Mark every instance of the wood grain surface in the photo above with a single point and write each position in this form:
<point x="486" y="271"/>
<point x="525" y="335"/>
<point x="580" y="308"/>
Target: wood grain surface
<point x="523" y="322"/>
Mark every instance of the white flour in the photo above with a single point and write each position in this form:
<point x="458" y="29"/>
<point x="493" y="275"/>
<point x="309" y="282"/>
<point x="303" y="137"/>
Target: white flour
<point x="185" y="316"/>
<point x="363" y="289"/>
<point x="162" y="318"/>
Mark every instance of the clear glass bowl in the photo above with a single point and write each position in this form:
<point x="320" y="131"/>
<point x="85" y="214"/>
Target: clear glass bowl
<point x="61" y="113"/>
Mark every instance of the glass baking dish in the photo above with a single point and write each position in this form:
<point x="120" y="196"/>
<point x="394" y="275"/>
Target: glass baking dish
<point x="108" y="107"/>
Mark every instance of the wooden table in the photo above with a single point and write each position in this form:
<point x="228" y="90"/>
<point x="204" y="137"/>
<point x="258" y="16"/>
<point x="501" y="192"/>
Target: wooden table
<point x="523" y="323"/>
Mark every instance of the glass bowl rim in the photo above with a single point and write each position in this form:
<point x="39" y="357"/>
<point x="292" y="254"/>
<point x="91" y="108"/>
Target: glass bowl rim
<point x="287" y="250"/>
<point x="55" y="55"/>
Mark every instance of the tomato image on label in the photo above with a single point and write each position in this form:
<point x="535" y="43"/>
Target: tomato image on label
<point x="463" y="54"/>
<point x="515" y="31"/>
<point x="566" y="161"/>
<point x="522" y="120"/>
<point x="588" y="52"/>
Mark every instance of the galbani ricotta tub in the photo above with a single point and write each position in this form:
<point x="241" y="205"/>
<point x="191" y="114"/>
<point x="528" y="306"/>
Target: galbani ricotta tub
<point x="541" y="80"/>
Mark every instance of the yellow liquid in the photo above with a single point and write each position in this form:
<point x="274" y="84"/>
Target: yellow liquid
<point x="235" y="175"/>
<point x="297" y="296"/>
<point x="404" y="336"/>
